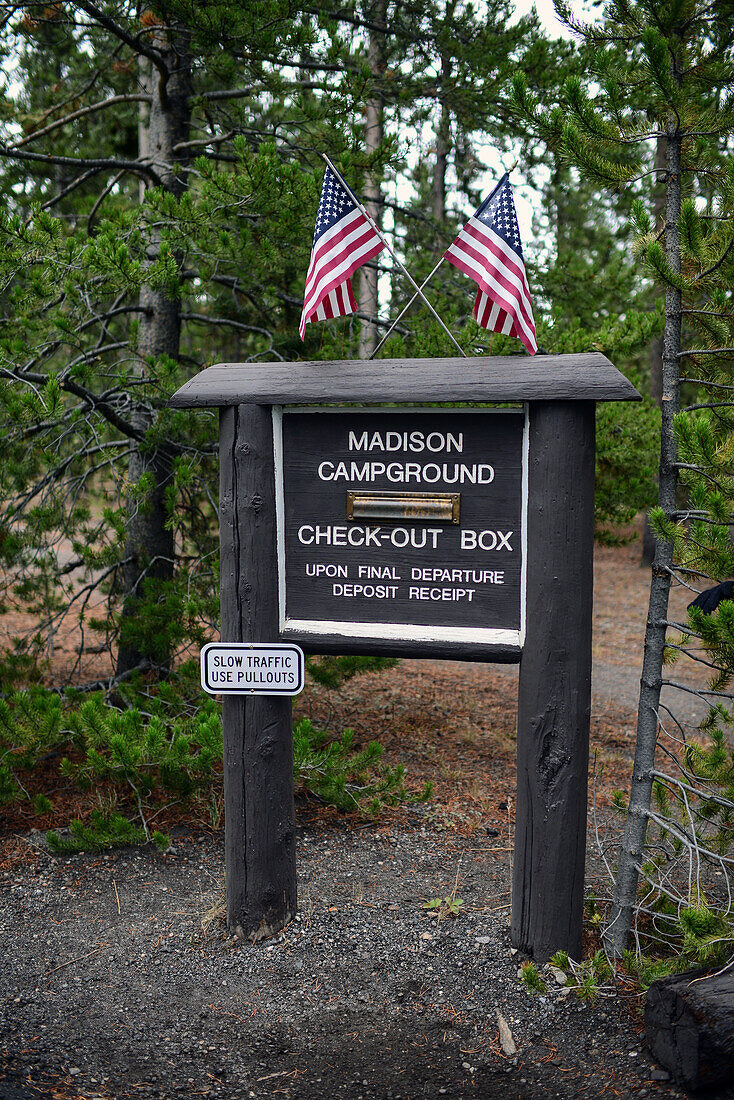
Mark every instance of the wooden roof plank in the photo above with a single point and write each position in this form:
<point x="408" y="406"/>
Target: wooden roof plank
<point x="581" y="377"/>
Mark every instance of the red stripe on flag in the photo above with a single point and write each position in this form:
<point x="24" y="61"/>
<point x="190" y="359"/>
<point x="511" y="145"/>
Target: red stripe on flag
<point x="508" y="256"/>
<point x="482" y="270"/>
<point x="340" y="264"/>
<point x="331" y="267"/>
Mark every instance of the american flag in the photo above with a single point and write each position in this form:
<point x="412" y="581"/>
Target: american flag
<point x="343" y="240"/>
<point x="489" y="251"/>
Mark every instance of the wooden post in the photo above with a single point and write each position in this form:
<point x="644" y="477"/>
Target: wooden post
<point x="555" y="682"/>
<point x="260" y="859"/>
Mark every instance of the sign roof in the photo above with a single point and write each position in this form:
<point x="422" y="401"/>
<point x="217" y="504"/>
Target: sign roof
<point x="583" y="377"/>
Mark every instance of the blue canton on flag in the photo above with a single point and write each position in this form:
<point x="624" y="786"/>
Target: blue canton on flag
<point x="498" y="212"/>
<point x="343" y="240"/>
<point x="332" y="204"/>
<point x="488" y="249"/>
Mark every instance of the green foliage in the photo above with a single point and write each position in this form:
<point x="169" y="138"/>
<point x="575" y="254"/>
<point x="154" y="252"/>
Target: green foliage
<point x="619" y="801"/>
<point x="560" y="960"/>
<point x="628" y="443"/>
<point x="530" y="977"/>
<point x="647" y="969"/>
<point x="331" y="769"/>
<point x="332" y="672"/>
<point x="589" y="975"/>
<point x="31" y="725"/>
<point x="448" y="906"/>
<point x="583" y="978"/>
<point x="694" y="802"/>
<point x="147" y="752"/>
<point x="100" y="832"/>
<point x="167" y="751"/>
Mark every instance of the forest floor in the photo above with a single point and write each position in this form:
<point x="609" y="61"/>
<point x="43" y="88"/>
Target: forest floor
<point x="119" y="980"/>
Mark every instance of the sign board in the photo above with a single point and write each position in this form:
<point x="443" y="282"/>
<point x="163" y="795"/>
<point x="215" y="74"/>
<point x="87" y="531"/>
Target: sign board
<point x="402" y="523"/>
<point x="252" y="668"/>
<point x="352" y="529"/>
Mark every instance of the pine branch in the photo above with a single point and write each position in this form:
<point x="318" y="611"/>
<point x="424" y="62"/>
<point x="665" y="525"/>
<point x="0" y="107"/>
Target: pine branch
<point x="719" y="262"/>
<point x="102" y="163"/>
<point x="233" y="93"/>
<point x="201" y="143"/>
<point x="134" y="43"/>
<point x="238" y="325"/>
<point x="709" y="405"/>
<point x="706" y="351"/>
<point x="100" y="199"/>
<point x="92" y="400"/>
<point x="132" y="97"/>
<point x="67" y="190"/>
<point x="393" y="30"/>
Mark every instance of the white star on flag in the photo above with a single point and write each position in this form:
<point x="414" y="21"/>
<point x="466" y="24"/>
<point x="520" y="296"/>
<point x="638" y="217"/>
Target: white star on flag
<point x="489" y="251"/>
<point x="344" y="239"/>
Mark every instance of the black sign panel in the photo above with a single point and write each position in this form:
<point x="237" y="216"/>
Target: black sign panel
<point x="402" y="519"/>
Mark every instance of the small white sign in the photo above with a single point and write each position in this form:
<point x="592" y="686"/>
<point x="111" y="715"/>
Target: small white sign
<point x="252" y="668"/>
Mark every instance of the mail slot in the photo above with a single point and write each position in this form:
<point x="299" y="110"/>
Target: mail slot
<point x="399" y="507"/>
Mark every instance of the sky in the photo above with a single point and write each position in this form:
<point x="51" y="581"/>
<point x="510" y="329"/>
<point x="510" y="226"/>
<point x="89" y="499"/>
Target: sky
<point x="547" y="15"/>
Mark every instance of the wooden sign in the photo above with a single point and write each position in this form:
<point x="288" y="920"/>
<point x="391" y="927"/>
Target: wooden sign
<point x="415" y="531"/>
<point x="396" y="524"/>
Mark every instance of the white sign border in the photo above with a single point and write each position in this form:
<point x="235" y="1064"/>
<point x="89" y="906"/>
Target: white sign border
<point x="396" y="631"/>
<point x="249" y="647"/>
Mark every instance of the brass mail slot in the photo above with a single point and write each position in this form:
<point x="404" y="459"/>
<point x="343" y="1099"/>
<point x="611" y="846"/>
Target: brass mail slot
<point x="437" y="507"/>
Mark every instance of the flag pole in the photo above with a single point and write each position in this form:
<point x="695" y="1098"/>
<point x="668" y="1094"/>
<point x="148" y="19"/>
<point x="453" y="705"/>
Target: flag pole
<point x="405" y="309"/>
<point x="400" y="264"/>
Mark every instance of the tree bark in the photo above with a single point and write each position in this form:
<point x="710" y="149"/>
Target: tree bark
<point x="149" y="547"/>
<point x="656" y="346"/>
<point x="631" y="854"/>
<point x="438" y="189"/>
<point x="373" y="135"/>
<point x="443" y="133"/>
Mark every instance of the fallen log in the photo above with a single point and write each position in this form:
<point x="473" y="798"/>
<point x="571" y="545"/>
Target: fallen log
<point x="689" y="1023"/>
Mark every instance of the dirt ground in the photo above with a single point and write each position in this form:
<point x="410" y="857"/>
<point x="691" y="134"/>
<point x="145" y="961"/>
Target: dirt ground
<point x="118" y="979"/>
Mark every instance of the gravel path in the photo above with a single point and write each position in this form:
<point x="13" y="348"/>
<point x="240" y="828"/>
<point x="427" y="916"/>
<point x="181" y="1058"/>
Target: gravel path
<point x="111" y="989"/>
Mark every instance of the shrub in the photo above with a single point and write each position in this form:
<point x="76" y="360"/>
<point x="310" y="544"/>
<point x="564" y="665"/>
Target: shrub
<point x="166" y="748"/>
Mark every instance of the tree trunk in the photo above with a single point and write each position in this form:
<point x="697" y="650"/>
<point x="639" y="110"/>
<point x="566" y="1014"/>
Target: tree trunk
<point x="443" y="134"/>
<point x="149" y="549"/>
<point x="559" y="190"/>
<point x="438" y="188"/>
<point x="628" y="869"/>
<point x="656" y="347"/>
<point x="373" y="135"/>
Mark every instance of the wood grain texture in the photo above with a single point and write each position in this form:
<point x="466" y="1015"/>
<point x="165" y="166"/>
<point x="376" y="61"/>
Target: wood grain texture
<point x="583" y="377"/>
<point x="554" y="696"/>
<point x="391" y="647"/>
<point x="258" y="740"/>
<point x="689" y="1027"/>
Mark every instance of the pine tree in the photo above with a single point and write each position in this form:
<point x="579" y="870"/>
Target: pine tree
<point x="659" y="70"/>
<point x="153" y="202"/>
<point x="161" y="169"/>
